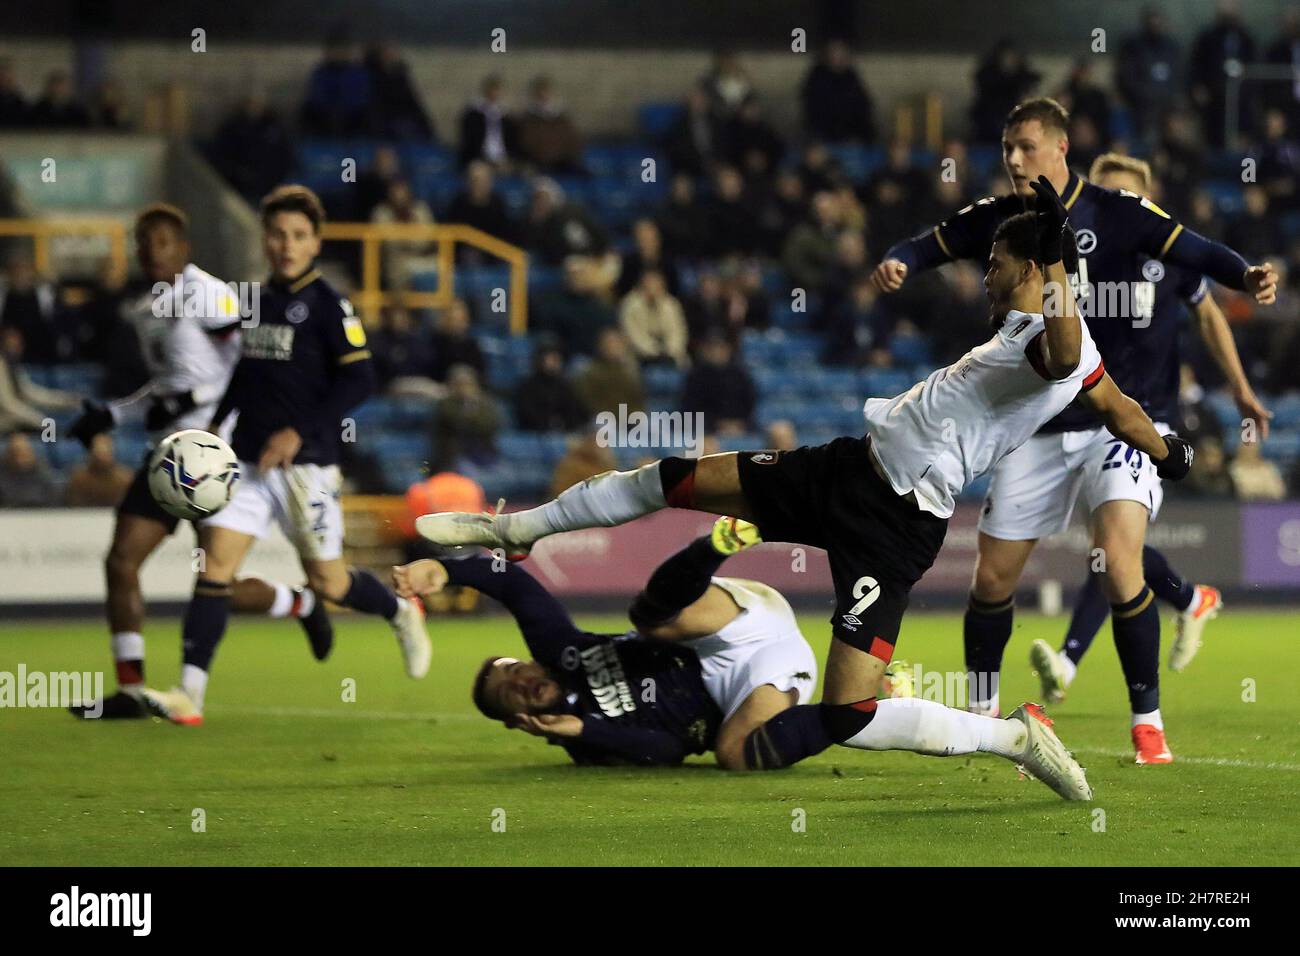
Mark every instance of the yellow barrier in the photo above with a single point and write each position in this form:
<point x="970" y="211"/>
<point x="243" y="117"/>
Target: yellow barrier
<point x="40" y="231"/>
<point x="371" y="296"/>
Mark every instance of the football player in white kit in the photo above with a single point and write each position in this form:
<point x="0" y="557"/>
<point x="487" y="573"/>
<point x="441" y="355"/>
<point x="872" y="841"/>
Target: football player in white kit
<point x="189" y="337"/>
<point x="879" y="505"/>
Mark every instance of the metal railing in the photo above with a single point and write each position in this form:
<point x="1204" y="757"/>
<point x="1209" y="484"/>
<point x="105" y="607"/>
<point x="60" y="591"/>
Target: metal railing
<point x="40" y="231"/>
<point x="372" y="296"/>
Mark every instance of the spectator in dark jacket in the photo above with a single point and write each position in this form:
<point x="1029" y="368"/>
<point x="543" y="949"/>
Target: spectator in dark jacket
<point x="486" y="131"/>
<point x="720" y="387"/>
<point x="695" y="140"/>
<point x="748" y="133"/>
<point x="556" y="229"/>
<point x="1150" y="74"/>
<point x="395" y="111"/>
<point x="338" y="97"/>
<point x="13" y="105"/>
<point x="402" y="349"/>
<point x="29" y="304"/>
<point x="683" y="220"/>
<point x="548" y="140"/>
<point x="578" y="313"/>
<point x="453" y="344"/>
<point x="58" y="107"/>
<point x="1002" y="80"/>
<point x="836" y="105"/>
<point x="1285" y="51"/>
<point x="1224" y="42"/>
<point x="252" y="148"/>
<point x="481" y="206"/>
<point x="546" y="400"/>
<point x="647" y="253"/>
<point x="465" y="423"/>
<point x="733" y="225"/>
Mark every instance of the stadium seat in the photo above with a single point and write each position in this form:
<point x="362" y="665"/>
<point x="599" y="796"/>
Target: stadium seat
<point x="656" y="119"/>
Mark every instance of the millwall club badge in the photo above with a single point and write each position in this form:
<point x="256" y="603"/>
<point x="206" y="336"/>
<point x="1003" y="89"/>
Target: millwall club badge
<point x="355" y="332"/>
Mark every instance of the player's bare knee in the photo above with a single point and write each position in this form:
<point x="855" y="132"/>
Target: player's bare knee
<point x="120" y="567"/>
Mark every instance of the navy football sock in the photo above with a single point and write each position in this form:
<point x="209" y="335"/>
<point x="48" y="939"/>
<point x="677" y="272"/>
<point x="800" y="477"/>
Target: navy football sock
<point x="1167" y="583"/>
<point x="1136" y="625"/>
<point x="985" y="632"/>
<point x="804" y="731"/>
<point x="677" y="583"/>
<point x="367" y="595"/>
<point x="205" y="622"/>
<point x="1089" y="614"/>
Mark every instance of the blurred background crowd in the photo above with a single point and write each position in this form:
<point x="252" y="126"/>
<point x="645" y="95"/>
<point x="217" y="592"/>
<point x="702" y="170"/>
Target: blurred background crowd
<point x="717" y="261"/>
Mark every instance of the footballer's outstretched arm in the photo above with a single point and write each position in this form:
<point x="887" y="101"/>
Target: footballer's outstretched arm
<point x="1063" y="341"/>
<point x="1218" y="339"/>
<point x="1124" y="417"/>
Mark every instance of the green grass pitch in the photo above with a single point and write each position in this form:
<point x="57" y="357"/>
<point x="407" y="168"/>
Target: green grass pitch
<point x="288" y="773"/>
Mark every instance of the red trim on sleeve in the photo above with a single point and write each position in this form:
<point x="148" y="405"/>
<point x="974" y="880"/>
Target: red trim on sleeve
<point x="1093" y="377"/>
<point x="882" y="649"/>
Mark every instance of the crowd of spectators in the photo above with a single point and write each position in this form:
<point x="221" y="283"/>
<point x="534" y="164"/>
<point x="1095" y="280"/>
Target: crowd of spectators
<point x="683" y="283"/>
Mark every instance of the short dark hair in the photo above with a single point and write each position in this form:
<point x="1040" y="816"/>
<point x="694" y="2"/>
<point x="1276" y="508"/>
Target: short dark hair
<point x="1020" y="233"/>
<point x="479" y="694"/>
<point x="161" y="213"/>
<point x="293" y="198"/>
<point x="1042" y="108"/>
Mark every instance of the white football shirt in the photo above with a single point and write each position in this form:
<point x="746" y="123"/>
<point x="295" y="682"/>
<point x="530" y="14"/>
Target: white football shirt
<point x="183" y="348"/>
<point x="944" y="432"/>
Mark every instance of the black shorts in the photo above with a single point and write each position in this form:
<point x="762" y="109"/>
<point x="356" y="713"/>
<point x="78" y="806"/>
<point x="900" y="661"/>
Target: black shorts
<point x="879" y="543"/>
<point x="139" y="501"/>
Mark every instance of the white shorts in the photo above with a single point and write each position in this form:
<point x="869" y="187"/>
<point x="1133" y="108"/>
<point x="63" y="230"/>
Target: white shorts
<point x="302" y="499"/>
<point x="1034" y="488"/>
<point x="761" y="645"/>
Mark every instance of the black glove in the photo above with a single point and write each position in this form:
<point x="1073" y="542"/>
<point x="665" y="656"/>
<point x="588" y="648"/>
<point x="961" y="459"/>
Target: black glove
<point x="1052" y="221"/>
<point x="95" y="419"/>
<point x="165" y="409"/>
<point x="1175" y="465"/>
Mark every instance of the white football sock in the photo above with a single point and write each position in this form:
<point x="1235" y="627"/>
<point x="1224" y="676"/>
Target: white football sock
<point x="129" y="646"/>
<point x="1069" y="667"/>
<point x="928" y="727"/>
<point x="194" y="681"/>
<point x="608" y="499"/>
<point x="1152" y="718"/>
<point x="283" y="600"/>
<point x="282" y="606"/>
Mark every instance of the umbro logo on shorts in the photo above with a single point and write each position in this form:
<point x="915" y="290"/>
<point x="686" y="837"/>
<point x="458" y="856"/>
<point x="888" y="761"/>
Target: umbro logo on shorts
<point x="851" y="621"/>
<point x="763" y="458"/>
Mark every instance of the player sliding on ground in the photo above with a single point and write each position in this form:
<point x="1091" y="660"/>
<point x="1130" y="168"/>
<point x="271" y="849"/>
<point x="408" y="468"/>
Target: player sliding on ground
<point x="879" y="505"/>
<point x="190" y="358"/>
<point x="711" y="658"/>
<point x="303" y="366"/>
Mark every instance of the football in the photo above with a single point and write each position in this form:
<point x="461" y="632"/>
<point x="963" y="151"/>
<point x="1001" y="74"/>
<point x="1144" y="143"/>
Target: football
<point x="192" y="474"/>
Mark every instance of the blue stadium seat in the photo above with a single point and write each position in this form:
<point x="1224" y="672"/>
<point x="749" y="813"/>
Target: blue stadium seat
<point x="656" y="119"/>
<point x="1286" y="410"/>
<point x="664" y="380"/>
